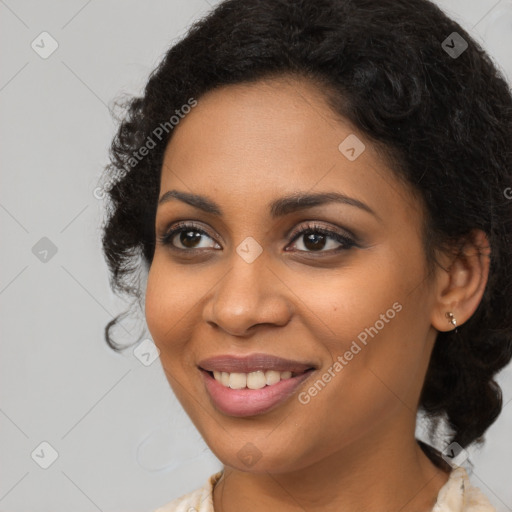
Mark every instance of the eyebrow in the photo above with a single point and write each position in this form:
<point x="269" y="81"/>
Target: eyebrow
<point x="278" y="208"/>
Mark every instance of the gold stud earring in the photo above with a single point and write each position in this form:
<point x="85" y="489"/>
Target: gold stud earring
<point x="451" y="318"/>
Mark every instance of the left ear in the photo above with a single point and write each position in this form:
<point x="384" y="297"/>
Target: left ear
<point x="461" y="285"/>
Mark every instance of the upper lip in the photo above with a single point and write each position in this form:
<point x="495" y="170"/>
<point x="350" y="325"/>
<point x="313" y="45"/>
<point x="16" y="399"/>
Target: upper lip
<point x="246" y="364"/>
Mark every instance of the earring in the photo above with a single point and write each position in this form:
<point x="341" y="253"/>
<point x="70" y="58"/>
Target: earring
<point x="451" y="318"/>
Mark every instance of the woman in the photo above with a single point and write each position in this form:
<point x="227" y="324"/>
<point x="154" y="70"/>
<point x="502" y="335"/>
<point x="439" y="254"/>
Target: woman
<point x="317" y="189"/>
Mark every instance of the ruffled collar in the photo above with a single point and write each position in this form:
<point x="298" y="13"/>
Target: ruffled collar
<point x="458" y="495"/>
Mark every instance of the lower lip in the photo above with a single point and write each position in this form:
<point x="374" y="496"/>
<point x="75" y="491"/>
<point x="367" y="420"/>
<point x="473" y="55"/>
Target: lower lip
<point x="249" y="402"/>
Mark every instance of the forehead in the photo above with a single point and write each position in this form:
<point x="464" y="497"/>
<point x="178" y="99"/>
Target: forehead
<point x="280" y="115"/>
<point x="274" y="136"/>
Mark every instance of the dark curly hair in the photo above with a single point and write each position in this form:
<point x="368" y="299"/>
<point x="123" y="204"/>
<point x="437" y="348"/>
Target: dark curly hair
<point x="444" y="121"/>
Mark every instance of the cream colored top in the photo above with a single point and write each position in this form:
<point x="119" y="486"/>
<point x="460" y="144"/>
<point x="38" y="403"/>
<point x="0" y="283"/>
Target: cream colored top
<point x="456" y="495"/>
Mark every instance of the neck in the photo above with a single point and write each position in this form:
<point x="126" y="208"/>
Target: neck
<point x="382" y="473"/>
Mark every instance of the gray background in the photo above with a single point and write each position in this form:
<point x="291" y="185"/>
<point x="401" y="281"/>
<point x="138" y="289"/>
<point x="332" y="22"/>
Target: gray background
<point x="122" y="440"/>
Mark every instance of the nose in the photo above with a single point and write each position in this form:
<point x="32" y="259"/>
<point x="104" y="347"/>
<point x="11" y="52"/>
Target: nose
<point x="249" y="294"/>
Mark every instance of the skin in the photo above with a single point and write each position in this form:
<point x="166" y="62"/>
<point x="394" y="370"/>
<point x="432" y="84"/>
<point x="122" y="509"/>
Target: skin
<point x="352" y="446"/>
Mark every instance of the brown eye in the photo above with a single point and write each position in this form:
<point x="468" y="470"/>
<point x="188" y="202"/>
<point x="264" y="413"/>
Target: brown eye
<point x="189" y="238"/>
<point x="316" y="238"/>
<point x="186" y="237"/>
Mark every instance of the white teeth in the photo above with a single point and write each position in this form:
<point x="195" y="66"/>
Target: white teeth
<point x="272" y="377"/>
<point x="256" y="380"/>
<point x="252" y="380"/>
<point x="237" y="380"/>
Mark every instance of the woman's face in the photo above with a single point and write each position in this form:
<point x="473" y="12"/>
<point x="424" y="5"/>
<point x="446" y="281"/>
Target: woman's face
<point x="356" y="308"/>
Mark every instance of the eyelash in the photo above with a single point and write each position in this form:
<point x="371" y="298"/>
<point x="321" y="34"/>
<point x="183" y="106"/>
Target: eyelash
<point x="311" y="227"/>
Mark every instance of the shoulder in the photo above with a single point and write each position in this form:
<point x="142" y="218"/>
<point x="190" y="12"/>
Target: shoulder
<point x="458" y="495"/>
<point x="200" y="500"/>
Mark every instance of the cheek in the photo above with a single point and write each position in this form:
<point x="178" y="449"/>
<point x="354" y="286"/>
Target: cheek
<point x="167" y="302"/>
<point x="170" y="295"/>
<point x="365" y="386"/>
<point x="166" y="306"/>
<point x="340" y="305"/>
<point x="155" y="303"/>
<point x="377" y="324"/>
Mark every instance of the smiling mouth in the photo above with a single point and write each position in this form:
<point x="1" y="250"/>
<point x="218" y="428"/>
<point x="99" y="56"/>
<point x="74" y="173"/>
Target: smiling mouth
<point x="243" y="401"/>
<point x="253" y="380"/>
